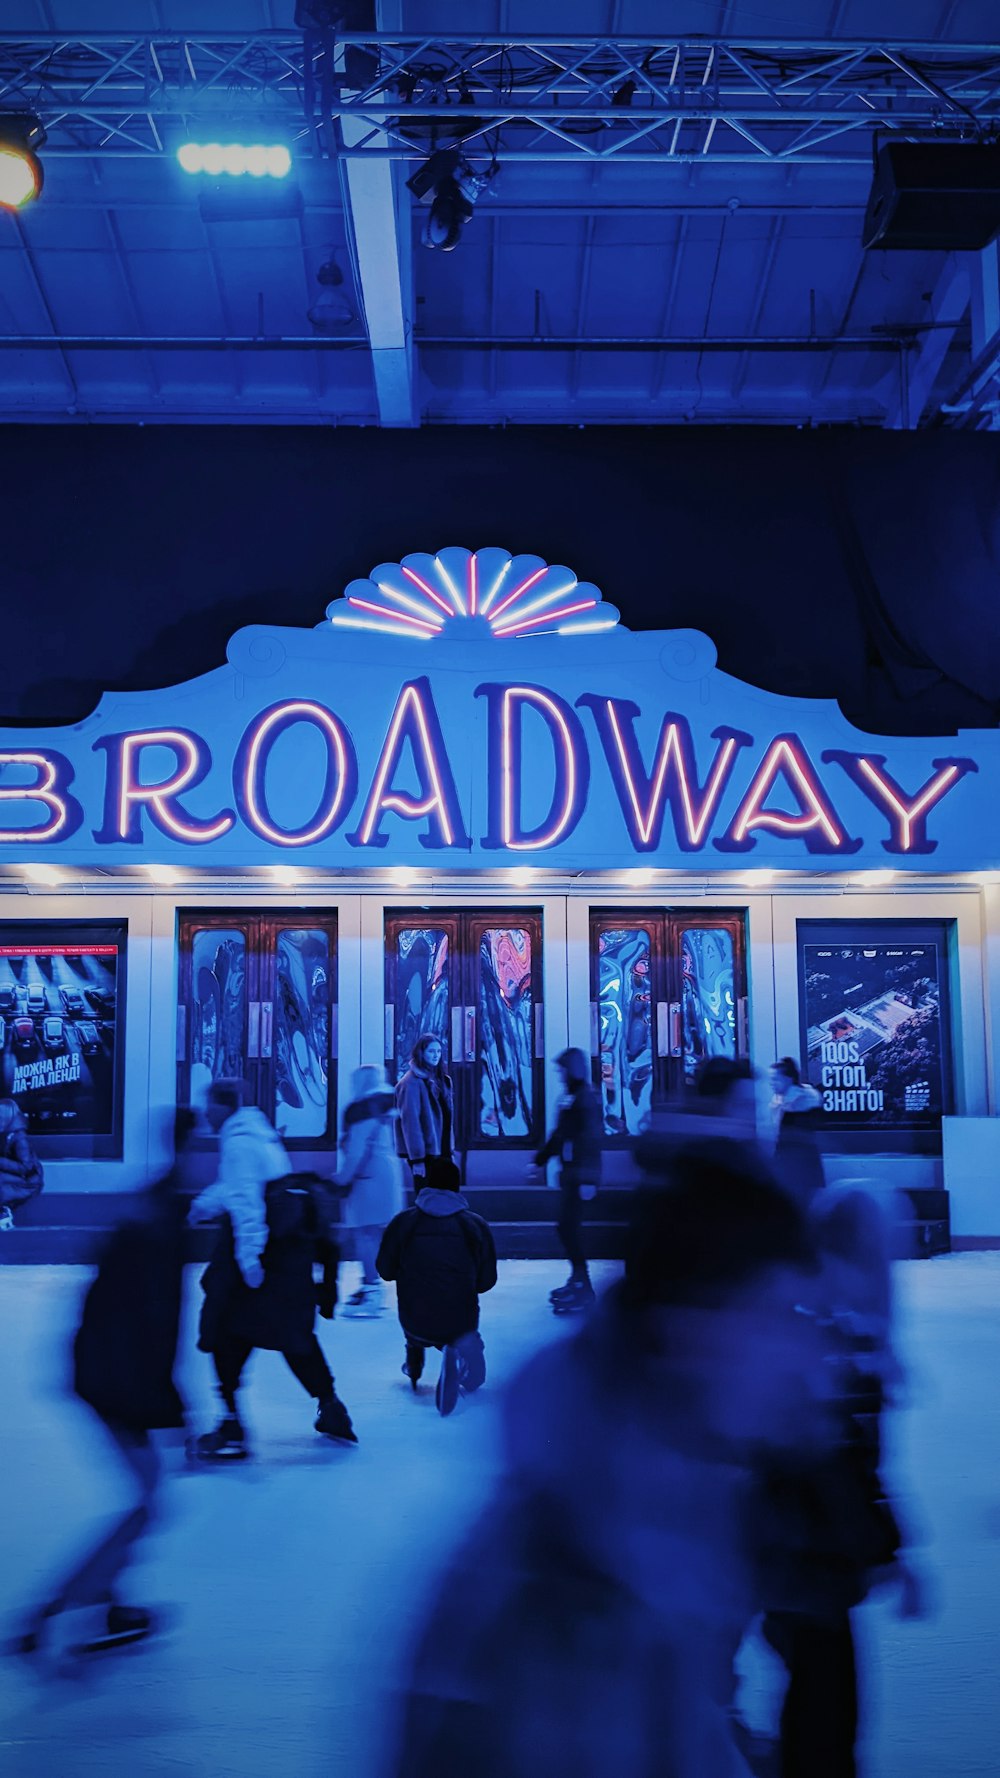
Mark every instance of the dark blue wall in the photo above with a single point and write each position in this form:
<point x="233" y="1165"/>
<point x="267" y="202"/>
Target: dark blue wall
<point x="858" y="565"/>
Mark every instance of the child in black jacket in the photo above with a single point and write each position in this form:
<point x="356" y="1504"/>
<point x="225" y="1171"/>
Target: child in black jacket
<point x="441" y="1257"/>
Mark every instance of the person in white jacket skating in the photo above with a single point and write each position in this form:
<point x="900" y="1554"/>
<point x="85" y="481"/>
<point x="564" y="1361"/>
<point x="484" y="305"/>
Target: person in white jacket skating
<point x="250" y="1154"/>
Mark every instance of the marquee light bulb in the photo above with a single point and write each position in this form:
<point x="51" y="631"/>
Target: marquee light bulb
<point x="162" y="873"/>
<point x="42" y="873"/>
<point x="521" y="876"/>
<point x="757" y="879"/>
<point x="874" y="879"/>
<point x="285" y="873"/>
<point x="640" y="878"/>
<point x="403" y="876"/>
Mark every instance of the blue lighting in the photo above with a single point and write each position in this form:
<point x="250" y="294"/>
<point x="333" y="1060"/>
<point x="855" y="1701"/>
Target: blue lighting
<point x="260" y="160"/>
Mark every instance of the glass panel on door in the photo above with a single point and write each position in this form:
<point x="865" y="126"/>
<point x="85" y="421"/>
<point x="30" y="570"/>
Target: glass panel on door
<point x="419" y="990"/>
<point x="625" y="1028"/>
<point x="505" y="1038"/>
<point x="301" y="1038"/>
<point x="708" y="994"/>
<point x="217" y="1008"/>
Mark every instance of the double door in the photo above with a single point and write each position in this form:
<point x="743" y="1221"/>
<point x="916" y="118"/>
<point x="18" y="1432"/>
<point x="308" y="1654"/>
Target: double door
<point x="473" y="980"/>
<point x="668" y="989"/>
<point x="257" y="1001"/>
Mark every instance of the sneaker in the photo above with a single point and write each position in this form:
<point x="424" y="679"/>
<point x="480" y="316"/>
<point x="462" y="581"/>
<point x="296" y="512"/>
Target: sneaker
<point x="333" y="1421"/>
<point x="228" y="1443"/>
<point x="447" y="1391"/>
<point x="576" y="1300"/>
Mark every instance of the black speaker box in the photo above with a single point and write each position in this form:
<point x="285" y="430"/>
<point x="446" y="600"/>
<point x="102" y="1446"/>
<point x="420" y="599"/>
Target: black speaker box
<point x="934" y="195"/>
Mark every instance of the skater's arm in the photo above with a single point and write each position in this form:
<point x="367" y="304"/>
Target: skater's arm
<point x="408" y="1102"/>
<point x="387" y="1258"/>
<point x="486" y="1272"/>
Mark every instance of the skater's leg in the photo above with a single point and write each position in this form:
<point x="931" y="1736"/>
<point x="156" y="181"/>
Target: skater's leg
<point x="472" y="1354"/>
<point x="310" y="1368"/>
<point x="229" y="1357"/>
<point x="569" y="1228"/>
<point x="415" y="1354"/>
<point x="93" y="1580"/>
<point x="819" y="1719"/>
<point x="366" y="1246"/>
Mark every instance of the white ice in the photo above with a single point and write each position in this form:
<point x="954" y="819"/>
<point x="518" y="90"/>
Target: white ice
<point x="298" y="1579"/>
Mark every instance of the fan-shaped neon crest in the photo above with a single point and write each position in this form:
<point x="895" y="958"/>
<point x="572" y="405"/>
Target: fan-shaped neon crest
<point x="489" y="590"/>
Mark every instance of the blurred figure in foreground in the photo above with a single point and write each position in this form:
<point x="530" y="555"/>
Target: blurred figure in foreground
<point x="371" y="1178"/>
<point x="442" y="1258"/>
<point x="124" y="1356"/>
<point x="576" y="1143"/>
<point x="828" y="1531"/>
<point x="589" y="1623"/>
<point x="21" y="1176"/>
<point x="259" y="1290"/>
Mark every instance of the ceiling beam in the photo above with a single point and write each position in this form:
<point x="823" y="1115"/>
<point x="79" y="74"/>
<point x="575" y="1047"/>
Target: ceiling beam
<point x="378" y="207"/>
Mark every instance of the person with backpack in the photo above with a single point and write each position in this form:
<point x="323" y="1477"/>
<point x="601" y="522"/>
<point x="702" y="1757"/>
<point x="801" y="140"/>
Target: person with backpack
<point x="576" y="1143"/>
<point x="442" y="1258"/>
<point x="370" y="1177"/>
<point x="123" y="1362"/>
<point x="426" y="1108"/>
<point x="21" y="1176"/>
<point x="259" y="1290"/>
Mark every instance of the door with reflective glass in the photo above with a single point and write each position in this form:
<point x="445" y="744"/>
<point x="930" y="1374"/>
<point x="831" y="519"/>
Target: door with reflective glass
<point x="668" y="989"/>
<point x="473" y="979"/>
<point x="257" y="1001"/>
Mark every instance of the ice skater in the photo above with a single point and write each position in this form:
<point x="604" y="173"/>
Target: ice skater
<point x="442" y="1258"/>
<point x="796" y="1108"/>
<point x="371" y="1176"/>
<point x="21" y="1176"/>
<point x="576" y="1143"/>
<point x="123" y="1363"/>
<point x="426" y="1108"/>
<point x="259" y="1290"/>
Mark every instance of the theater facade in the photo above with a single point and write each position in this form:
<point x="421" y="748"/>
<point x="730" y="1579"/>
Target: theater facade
<point x="471" y="801"/>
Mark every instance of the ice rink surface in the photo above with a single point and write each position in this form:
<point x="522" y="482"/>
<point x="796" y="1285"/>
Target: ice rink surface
<point x="298" y="1580"/>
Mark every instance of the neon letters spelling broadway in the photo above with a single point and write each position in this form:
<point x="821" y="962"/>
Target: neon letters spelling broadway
<point x="300" y="773"/>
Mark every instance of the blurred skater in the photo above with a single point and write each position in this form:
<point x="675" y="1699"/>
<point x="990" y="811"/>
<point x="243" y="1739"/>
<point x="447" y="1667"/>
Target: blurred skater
<point x="442" y="1258"/>
<point x="835" y="1532"/>
<point x="371" y="1176"/>
<point x="426" y="1108"/>
<point x="259" y="1290"/>
<point x="21" y="1176"/>
<point x="124" y="1356"/>
<point x="576" y="1143"/>
<point x="797" y="1110"/>
<point x="589" y="1621"/>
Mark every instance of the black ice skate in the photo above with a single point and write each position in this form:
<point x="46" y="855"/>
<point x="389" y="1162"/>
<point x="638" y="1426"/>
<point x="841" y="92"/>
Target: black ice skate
<point x="562" y="1290"/>
<point x="578" y="1298"/>
<point x="227" y="1444"/>
<point x="333" y="1421"/>
<point x="124" y="1624"/>
<point x="447" y="1392"/>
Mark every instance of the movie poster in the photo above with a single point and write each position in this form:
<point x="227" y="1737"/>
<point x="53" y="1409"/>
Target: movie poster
<point x="59" y="1032"/>
<point x="873" y="1005"/>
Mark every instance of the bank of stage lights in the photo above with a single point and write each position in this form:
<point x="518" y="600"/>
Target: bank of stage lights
<point x="260" y="160"/>
<point x="21" y="176"/>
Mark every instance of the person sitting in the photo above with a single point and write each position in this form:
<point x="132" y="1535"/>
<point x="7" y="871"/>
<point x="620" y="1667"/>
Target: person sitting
<point x="441" y="1257"/>
<point x="21" y="1177"/>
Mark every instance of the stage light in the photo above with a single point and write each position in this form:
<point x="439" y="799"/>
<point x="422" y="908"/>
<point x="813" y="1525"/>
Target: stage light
<point x="259" y="159"/>
<point x="42" y="873"/>
<point x="455" y="186"/>
<point x="332" y="311"/>
<point x="21" y="175"/>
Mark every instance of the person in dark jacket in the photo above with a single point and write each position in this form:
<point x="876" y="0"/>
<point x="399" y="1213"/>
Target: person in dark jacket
<point x="797" y="1108"/>
<point x="441" y="1257"/>
<point x="123" y="1362"/>
<point x="425" y="1104"/>
<point x="21" y="1176"/>
<point x="576" y="1143"/>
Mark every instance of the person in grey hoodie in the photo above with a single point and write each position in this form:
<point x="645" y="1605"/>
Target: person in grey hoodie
<point x="441" y="1257"/>
<point x="249" y="1302"/>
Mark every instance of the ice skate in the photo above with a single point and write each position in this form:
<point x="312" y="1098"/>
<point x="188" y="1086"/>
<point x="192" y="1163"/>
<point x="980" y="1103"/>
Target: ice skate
<point x="123" y="1624"/>
<point x="226" y="1444"/>
<point x="333" y="1421"/>
<point x="448" y="1383"/>
<point x="413" y="1376"/>
<point x="562" y="1290"/>
<point x="577" y="1299"/>
<point x="366" y="1304"/>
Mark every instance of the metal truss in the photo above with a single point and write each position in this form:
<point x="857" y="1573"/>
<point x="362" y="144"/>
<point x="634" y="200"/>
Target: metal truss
<point x="513" y="99"/>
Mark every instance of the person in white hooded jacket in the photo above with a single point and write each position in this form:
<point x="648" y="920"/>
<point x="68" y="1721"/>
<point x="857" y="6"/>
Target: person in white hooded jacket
<point x="251" y="1153"/>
